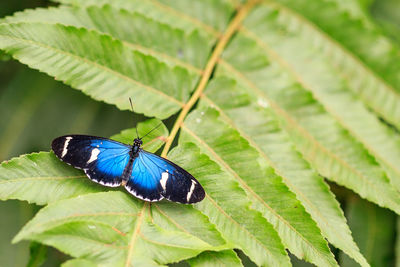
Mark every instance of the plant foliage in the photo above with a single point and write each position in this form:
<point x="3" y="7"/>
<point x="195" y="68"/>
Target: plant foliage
<point x="273" y="96"/>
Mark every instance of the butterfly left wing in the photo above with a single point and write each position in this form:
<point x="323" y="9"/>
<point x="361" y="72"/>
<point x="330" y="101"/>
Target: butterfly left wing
<point x="102" y="159"/>
<point x="154" y="178"/>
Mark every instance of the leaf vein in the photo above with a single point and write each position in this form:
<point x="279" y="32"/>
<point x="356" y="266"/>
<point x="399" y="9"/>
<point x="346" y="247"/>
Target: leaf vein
<point x="135" y="233"/>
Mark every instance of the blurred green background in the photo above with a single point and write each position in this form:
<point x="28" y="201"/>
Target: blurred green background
<point x="35" y="108"/>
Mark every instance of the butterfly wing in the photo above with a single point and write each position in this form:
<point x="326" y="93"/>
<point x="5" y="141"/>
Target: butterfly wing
<point x="103" y="160"/>
<point x="154" y="178"/>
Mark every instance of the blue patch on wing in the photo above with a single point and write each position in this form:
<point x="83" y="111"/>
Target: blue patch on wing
<point x="147" y="172"/>
<point x="111" y="160"/>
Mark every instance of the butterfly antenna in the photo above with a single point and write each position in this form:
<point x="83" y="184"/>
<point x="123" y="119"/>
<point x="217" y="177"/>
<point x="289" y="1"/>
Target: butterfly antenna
<point x="152" y="130"/>
<point x="137" y="134"/>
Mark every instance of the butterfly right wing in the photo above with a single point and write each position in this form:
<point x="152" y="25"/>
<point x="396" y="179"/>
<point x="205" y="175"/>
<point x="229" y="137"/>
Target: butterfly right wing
<point x="154" y="178"/>
<point x="103" y="160"/>
<point x="144" y="181"/>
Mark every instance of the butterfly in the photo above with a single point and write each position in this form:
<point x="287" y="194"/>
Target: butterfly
<point x="144" y="174"/>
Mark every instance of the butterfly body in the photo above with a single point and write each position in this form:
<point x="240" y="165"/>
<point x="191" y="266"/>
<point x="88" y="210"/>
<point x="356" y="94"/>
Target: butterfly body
<point x="111" y="163"/>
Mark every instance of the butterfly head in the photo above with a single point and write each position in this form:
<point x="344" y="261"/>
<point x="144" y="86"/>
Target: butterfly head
<point x="137" y="142"/>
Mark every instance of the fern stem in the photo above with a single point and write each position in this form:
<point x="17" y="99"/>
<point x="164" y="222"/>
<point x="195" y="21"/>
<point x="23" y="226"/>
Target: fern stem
<point x="231" y="29"/>
<point x="135" y="233"/>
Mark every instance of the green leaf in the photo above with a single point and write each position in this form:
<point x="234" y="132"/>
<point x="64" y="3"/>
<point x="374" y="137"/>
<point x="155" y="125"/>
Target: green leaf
<point x="269" y="195"/>
<point x="329" y="148"/>
<point x="113" y="229"/>
<point x="112" y="72"/>
<point x="25" y="177"/>
<point x="229" y="210"/>
<point x="367" y="60"/>
<point x="264" y="134"/>
<point x="188" y="49"/>
<point x="300" y="60"/>
<point x="216" y="259"/>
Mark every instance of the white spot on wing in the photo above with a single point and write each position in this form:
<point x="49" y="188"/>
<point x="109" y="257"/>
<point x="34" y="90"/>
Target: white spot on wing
<point x="191" y="190"/>
<point x="93" y="156"/>
<point x="65" y="149"/>
<point x="164" y="178"/>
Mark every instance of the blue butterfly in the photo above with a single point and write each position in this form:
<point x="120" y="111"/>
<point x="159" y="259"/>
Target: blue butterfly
<point x="111" y="163"/>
